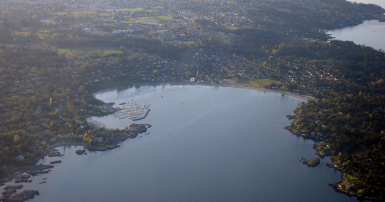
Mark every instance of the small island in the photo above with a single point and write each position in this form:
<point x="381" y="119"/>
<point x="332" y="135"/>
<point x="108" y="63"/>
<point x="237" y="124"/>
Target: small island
<point x="311" y="162"/>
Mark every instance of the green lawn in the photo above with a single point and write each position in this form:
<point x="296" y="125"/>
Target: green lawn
<point x="128" y="19"/>
<point x="163" y="17"/>
<point x="147" y="20"/>
<point x="233" y="28"/>
<point x="131" y="9"/>
<point x="105" y="14"/>
<point x="89" y="50"/>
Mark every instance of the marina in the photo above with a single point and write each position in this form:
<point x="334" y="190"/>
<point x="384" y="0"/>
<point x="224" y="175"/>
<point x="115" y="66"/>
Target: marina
<point x="131" y="111"/>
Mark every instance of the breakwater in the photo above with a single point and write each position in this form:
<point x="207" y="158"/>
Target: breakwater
<point x="144" y="116"/>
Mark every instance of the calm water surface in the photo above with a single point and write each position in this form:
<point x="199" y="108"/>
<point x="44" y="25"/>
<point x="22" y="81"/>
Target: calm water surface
<point x="220" y="144"/>
<point x="369" y="33"/>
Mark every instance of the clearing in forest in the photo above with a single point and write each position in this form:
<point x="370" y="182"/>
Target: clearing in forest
<point x="89" y="51"/>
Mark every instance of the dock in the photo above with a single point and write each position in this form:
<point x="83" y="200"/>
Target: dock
<point x="130" y="110"/>
<point x="144" y="116"/>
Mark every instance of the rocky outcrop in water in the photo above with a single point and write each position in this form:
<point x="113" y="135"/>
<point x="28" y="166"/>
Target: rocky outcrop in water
<point x="9" y="191"/>
<point x="22" y="196"/>
<point x="55" y="162"/>
<point x="311" y="162"/>
<point x="10" y="187"/>
<point x="54" y="152"/>
<point x="38" y="172"/>
<point x="40" y="169"/>
<point x="80" y="151"/>
<point x="23" y="178"/>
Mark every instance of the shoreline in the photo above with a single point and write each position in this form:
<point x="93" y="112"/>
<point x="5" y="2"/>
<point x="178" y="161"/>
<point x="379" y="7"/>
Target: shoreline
<point x="18" y="171"/>
<point x="337" y="185"/>
<point x="242" y="86"/>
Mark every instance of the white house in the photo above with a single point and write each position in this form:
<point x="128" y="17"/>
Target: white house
<point x="19" y="158"/>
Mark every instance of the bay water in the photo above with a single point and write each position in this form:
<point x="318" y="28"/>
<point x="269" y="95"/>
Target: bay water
<point x="369" y="33"/>
<point x="220" y="144"/>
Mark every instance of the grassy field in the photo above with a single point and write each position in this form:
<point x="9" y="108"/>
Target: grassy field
<point x="233" y="28"/>
<point x="105" y="14"/>
<point x="163" y="17"/>
<point x="131" y="9"/>
<point x="147" y="20"/>
<point x="258" y="82"/>
<point x="89" y="50"/>
<point x="128" y="19"/>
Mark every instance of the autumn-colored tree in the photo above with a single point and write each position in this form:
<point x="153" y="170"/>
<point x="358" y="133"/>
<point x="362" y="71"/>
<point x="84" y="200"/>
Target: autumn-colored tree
<point x="16" y="138"/>
<point x="85" y="138"/>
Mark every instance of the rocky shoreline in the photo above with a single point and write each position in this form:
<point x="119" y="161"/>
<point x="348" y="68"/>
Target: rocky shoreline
<point x="9" y="194"/>
<point x="23" y="174"/>
<point x="319" y="153"/>
<point x="20" y="197"/>
<point x="105" y="148"/>
<point x="338" y="188"/>
<point x="315" y="162"/>
<point x="291" y="129"/>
